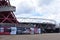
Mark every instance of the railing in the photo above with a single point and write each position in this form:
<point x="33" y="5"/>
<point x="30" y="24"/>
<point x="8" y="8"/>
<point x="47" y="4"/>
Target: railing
<point x="7" y="8"/>
<point x="9" y="24"/>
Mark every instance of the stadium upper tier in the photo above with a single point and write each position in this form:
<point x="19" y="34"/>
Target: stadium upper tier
<point x="36" y="20"/>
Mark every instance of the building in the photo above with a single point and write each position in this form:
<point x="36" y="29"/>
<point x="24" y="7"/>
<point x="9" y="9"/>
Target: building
<point x="46" y="25"/>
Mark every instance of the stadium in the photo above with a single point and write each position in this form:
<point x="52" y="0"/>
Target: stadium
<point x="30" y="26"/>
<point x="10" y="25"/>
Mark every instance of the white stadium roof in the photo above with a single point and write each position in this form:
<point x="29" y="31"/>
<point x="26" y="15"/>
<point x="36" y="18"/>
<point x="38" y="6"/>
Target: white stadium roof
<point x="36" y="20"/>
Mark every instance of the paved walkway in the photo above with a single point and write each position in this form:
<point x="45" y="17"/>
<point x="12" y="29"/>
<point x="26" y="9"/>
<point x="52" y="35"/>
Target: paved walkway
<point x="52" y="36"/>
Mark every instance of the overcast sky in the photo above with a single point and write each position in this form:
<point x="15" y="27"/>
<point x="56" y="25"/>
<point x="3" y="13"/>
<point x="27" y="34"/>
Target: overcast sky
<point x="47" y="9"/>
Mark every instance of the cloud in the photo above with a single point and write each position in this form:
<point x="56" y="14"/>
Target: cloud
<point x="24" y="8"/>
<point x="49" y="9"/>
<point x="44" y="2"/>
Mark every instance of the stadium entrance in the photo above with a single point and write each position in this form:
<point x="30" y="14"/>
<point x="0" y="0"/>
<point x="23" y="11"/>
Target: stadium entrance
<point x="44" y="27"/>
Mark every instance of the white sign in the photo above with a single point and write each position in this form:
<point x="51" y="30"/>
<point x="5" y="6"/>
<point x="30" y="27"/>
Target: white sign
<point x="13" y="30"/>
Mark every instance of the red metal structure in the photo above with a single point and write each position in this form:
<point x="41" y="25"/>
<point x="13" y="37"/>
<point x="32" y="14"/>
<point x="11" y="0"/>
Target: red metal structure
<point x="6" y="12"/>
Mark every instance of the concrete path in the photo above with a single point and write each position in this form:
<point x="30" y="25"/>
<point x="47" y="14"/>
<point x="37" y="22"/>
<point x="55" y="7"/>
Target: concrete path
<point x="51" y="36"/>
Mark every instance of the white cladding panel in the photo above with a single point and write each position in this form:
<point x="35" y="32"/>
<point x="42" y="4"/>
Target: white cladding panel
<point x="7" y="8"/>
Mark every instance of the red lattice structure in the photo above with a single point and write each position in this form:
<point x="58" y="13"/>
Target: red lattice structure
<point x="6" y="12"/>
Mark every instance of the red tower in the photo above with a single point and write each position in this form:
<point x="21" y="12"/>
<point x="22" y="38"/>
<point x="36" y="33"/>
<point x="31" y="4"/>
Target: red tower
<point x="6" y="12"/>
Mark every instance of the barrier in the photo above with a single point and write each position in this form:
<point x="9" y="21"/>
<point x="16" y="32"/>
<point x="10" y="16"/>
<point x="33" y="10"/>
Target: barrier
<point x="7" y="30"/>
<point x="13" y="30"/>
<point x="1" y="30"/>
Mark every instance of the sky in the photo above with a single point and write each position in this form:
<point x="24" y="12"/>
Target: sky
<point x="47" y="9"/>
